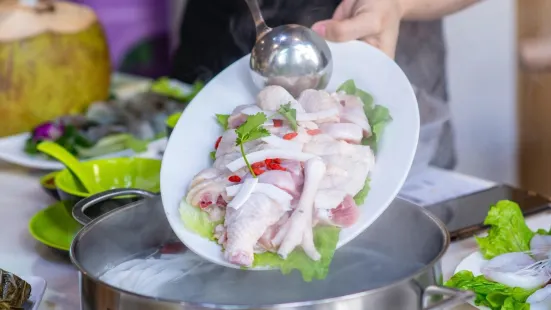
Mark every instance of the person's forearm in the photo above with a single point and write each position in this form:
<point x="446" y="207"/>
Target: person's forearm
<point x="432" y="9"/>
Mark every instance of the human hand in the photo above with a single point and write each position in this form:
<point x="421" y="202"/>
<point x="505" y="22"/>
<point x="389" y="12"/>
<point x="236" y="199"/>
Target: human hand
<point x="376" y="22"/>
<point x="535" y="54"/>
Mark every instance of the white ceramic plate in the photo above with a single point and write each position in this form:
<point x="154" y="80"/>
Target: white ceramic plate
<point x="472" y="263"/>
<point x="38" y="287"/>
<point x="188" y="149"/>
<point x="12" y="147"/>
<point x="12" y="150"/>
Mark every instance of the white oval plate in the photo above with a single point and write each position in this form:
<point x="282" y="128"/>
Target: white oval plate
<point x="12" y="151"/>
<point x="38" y="287"/>
<point x="193" y="138"/>
<point x="12" y="147"/>
<point x="472" y="263"/>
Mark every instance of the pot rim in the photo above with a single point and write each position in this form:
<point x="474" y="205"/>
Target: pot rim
<point x="424" y="269"/>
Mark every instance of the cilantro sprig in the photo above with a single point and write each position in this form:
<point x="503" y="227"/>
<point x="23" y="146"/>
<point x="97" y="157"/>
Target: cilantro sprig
<point x="251" y="130"/>
<point x="222" y="119"/>
<point x="290" y="114"/>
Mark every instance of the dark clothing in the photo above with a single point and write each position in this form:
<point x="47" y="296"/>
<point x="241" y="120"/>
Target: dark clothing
<point x="215" y="33"/>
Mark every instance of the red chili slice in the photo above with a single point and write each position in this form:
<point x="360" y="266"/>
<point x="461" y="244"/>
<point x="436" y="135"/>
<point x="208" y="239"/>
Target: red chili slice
<point x="258" y="171"/>
<point x="313" y="132"/>
<point x="234" y="179"/>
<point x="217" y="142"/>
<point x="290" y="136"/>
<point x="277" y="160"/>
<point x="278" y="123"/>
<point x="259" y="164"/>
<point x="274" y="166"/>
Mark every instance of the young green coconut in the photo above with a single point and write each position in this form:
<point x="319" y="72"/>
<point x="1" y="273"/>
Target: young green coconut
<point x="54" y="60"/>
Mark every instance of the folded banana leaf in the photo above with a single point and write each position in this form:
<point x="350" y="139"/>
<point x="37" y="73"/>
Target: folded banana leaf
<point x="14" y="291"/>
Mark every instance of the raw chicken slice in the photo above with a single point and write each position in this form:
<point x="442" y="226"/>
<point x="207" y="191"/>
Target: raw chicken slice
<point x="540" y="299"/>
<point x="296" y="171"/>
<point x="540" y="245"/>
<point x="227" y="143"/>
<point x="237" y="117"/>
<point x="329" y="198"/>
<point x="207" y="174"/>
<point x="246" y="225"/>
<point x="340" y="157"/>
<point x="506" y="269"/>
<point x="271" y="98"/>
<point x="317" y="100"/>
<point x="281" y="179"/>
<point x="265" y="242"/>
<point x="206" y="193"/>
<point x="347" y="132"/>
<point x="352" y="111"/>
<point x="298" y="229"/>
<point x="344" y="215"/>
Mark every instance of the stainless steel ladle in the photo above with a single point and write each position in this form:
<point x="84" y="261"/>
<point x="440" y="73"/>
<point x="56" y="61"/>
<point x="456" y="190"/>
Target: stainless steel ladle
<point x="292" y="56"/>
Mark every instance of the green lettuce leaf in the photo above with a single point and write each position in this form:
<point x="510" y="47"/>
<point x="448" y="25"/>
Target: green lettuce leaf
<point x="197" y="221"/>
<point x="362" y="194"/>
<point x="508" y="232"/>
<point x="493" y="295"/>
<point x="325" y="239"/>
<point x="378" y="116"/>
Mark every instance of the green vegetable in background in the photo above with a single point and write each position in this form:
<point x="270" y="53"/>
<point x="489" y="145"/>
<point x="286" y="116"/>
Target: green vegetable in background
<point x="112" y="144"/>
<point x="170" y="88"/>
<point x="69" y="137"/>
<point x="493" y="295"/>
<point x="508" y="232"/>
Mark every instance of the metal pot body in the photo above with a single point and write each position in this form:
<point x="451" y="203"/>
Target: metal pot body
<point x="404" y="230"/>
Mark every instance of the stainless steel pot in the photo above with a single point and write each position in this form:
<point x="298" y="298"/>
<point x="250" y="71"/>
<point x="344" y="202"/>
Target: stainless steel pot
<point x="404" y="234"/>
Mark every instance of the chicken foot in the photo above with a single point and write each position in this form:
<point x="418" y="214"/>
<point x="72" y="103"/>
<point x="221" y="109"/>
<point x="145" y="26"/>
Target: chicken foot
<point x="298" y="229"/>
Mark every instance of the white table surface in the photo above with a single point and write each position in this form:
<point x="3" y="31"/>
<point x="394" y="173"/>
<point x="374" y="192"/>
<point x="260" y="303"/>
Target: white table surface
<point x="21" y="197"/>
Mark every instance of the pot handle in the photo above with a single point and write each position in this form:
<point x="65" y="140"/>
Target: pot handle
<point x="81" y="206"/>
<point x="452" y="297"/>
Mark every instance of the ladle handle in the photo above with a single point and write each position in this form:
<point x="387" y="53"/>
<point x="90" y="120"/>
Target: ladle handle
<point x="260" y="24"/>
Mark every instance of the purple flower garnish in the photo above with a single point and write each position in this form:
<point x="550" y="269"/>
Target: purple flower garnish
<point x="48" y="131"/>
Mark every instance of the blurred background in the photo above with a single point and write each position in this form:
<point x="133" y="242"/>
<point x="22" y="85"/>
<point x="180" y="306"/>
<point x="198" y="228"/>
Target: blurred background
<point x="500" y="110"/>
